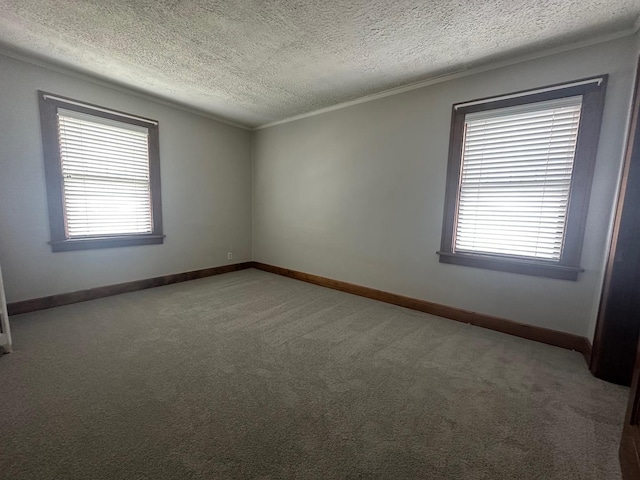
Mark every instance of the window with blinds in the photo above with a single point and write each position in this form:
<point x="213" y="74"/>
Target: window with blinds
<point x="105" y="171"/>
<point x="519" y="179"/>
<point x="102" y="169"/>
<point x="517" y="165"/>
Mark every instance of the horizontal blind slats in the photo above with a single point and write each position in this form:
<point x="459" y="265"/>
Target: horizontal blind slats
<point x="97" y="170"/>
<point x="101" y="149"/>
<point x="105" y="123"/>
<point x="520" y="148"/>
<point x="510" y="127"/>
<point x="87" y="178"/>
<point x="105" y="169"/>
<point x="123" y="138"/>
<point x="475" y="137"/>
<point x="517" y="165"/>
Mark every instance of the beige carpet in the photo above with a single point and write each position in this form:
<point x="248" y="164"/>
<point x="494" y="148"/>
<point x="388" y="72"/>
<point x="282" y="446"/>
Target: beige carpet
<point x="251" y="375"/>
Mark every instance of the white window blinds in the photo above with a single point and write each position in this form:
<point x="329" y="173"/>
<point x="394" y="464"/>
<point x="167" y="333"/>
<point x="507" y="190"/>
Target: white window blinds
<point x="105" y="170"/>
<point x="517" y="164"/>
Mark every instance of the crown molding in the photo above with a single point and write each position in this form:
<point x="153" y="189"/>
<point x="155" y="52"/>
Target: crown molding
<point x="111" y="84"/>
<point x="464" y="72"/>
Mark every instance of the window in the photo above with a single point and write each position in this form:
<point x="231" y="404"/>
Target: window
<point x="102" y="170"/>
<point x="519" y="179"/>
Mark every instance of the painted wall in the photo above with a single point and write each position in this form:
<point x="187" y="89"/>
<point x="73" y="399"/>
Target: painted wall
<point x="357" y="194"/>
<point x="206" y="191"/>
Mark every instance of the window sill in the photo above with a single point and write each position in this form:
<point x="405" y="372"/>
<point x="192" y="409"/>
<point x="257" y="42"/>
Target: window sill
<point x="91" y="243"/>
<point x="512" y="265"/>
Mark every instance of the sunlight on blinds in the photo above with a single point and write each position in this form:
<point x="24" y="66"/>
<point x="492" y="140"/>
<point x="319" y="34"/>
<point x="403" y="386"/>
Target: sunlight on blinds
<point x="516" y="175"/>
<point x="105" y="169"/>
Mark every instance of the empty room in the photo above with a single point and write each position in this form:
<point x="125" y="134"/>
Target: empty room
<point x="319" y="239"/>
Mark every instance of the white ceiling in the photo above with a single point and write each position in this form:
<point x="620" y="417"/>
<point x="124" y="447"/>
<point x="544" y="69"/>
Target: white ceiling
<point x="259" y="61"/>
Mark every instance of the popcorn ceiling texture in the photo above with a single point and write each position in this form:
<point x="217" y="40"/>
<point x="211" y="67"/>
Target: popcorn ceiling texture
<point x="257" y="61"/>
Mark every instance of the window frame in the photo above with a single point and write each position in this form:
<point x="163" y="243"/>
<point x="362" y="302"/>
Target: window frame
<point x="568" y="266"/>
<point x="60" y="242"/>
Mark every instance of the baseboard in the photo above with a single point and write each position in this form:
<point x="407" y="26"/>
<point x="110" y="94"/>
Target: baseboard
<point x="538" y="334"/>
<point x="587" y="351"/>
<point x="26" y="306"/>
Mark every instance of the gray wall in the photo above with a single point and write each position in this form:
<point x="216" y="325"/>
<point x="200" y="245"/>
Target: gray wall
<point x="357" y="194"/>
<point x="206" y="191"/>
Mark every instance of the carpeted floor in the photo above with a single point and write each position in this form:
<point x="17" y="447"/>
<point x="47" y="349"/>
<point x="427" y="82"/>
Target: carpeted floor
<point x="251" y="375"/>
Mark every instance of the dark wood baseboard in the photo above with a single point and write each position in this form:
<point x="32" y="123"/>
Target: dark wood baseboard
<point x="26" y="306"/>
<point x="587" y="351"/>
<point x="539" y="334"/>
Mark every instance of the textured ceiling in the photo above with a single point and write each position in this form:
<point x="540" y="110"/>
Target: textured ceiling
<point x="258" y="61"/>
